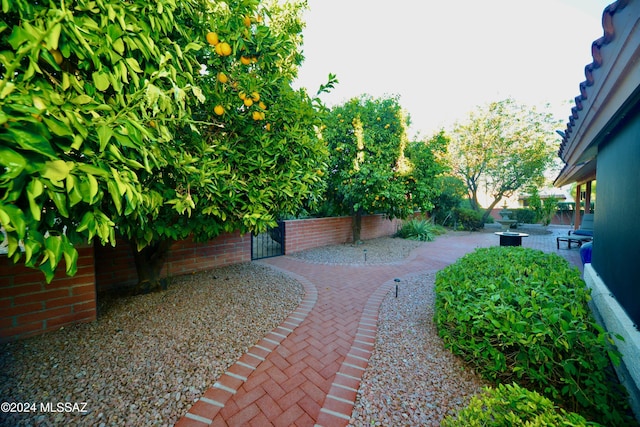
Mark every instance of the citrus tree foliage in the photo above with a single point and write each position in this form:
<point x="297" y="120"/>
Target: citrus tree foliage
<point x="368" y="172"/>
<point x="501" y="147"/>
<point x="428" y="162"/>
<point x="108" y="122"/>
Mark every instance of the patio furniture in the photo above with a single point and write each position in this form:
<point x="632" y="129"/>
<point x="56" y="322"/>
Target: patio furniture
<point x="511" y="239"/>
<point x="586" y="226"/>
<point x="572" y="238"/>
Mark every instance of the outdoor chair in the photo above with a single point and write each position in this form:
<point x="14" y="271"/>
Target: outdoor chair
<point x="586" y="226"/>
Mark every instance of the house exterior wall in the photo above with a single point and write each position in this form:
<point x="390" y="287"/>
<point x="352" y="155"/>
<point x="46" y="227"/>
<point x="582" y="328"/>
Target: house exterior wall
<point x="615" y="231"/>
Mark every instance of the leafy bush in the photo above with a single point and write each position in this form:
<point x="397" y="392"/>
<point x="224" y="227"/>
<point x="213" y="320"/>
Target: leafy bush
<point x="526" y="216"/>
<point x="512" y="405"/>
<point x="467" y="219"/>
<point x="520" y="315"/>
<point x="419" y="229"/>
<point x="452" y="191"/>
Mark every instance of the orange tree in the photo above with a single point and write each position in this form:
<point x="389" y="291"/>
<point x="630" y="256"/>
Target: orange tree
<point x="150" y="120"/>
<point x="368" y="171"/>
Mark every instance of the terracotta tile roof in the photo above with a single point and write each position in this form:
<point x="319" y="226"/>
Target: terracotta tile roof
<point x="596" y="46"/>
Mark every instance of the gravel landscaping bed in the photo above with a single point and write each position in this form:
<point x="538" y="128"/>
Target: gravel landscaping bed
<point x="383" y="250"/>
<point x="147" y="358"/>
<point x="411" y="379"/>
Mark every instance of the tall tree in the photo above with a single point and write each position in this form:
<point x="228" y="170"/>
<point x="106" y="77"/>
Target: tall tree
<point x="110" y="124"/>
<point x="367" y="173"/>
<point x="500" y="148"/>
<point x="428" y="162"/>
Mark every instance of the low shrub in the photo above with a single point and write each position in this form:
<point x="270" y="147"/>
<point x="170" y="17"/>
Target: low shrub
<point x="520" y="315"/>
<point x="467" y="219"/>
<point x="512" y="405"/>
<point x="526" y="216"/>
<point x="419" y="229"/>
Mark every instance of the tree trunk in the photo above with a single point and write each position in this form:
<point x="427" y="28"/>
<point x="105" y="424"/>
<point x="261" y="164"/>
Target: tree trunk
<point x="487" y="211"/>
<point x="149" y="262"/>
<point x="356" y="226"/>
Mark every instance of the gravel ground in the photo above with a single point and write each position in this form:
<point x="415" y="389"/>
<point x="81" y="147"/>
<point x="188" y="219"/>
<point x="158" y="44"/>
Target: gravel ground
<point x="412" y="380"/>
<point x="383" y="250"/>
<point x="147" y="358"/>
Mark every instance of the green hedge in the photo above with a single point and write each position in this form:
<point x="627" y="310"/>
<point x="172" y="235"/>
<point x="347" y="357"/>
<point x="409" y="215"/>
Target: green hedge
<point x="467" y="219"/>
<point x="526" y="216"/>
<point x="512" y="405"/>
<point x="520" y="315"/>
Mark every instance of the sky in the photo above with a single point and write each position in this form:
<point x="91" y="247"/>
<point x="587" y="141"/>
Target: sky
<point x="443" y="58"/>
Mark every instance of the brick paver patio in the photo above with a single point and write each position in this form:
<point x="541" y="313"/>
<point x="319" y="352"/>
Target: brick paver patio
<point x="307" y="371"/>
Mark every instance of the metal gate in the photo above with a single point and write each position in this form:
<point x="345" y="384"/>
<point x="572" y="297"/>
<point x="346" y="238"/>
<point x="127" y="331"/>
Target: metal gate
<point x="268" y="244"/>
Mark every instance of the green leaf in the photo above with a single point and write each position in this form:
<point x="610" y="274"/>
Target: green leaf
<point x="92" y="170"/>
<point x="104" y="135"/>
<point x="53" y="36"/>
<point x="101" y="81"/>
<point x="13" y="163"/>
<point x="34" y="190"/>
<point x="53" y="248"/>
<point x="56" y="170"/>
<point x="81" y="100"/>
<point x="60" y="200"/>
<point x="49" y="272"/>
<point x="57" y="127"/>
<point x="30" y="141"/>
<point x="115" y="195"/>
<point x="32" y="245"/>
<point x="12" y="219"/>
<point x="7" y="89"/>
<point x="70" y="257"/>
<point x="87" y="223"/>
<point x="93" y="186"/>
<point x="133" y="64"/>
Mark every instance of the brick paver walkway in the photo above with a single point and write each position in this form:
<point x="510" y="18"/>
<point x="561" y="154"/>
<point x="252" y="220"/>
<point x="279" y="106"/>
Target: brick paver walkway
<point x="307" y="371"/>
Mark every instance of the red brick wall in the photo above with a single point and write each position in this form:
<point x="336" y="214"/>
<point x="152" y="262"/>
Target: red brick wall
<point x="564" y="218"/>
<point x="115" y="266"/>
<point x="30" y="306"/>
<point x="302" y="234"/>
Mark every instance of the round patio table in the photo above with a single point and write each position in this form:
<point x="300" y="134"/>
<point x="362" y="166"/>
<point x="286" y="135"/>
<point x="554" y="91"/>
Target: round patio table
<point x="508" y="238"/>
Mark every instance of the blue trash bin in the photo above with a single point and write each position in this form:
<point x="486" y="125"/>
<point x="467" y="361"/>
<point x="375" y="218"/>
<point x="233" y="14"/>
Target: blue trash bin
<point x="585" y="253"/>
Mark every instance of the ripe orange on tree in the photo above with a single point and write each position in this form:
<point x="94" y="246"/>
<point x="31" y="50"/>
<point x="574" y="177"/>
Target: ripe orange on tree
<point x="57" y="56"/>
<point x="222" y="77"/>
<point x="218" y="109"/>
<point x="212" y="38"/>
<point x="223" y="49"/>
